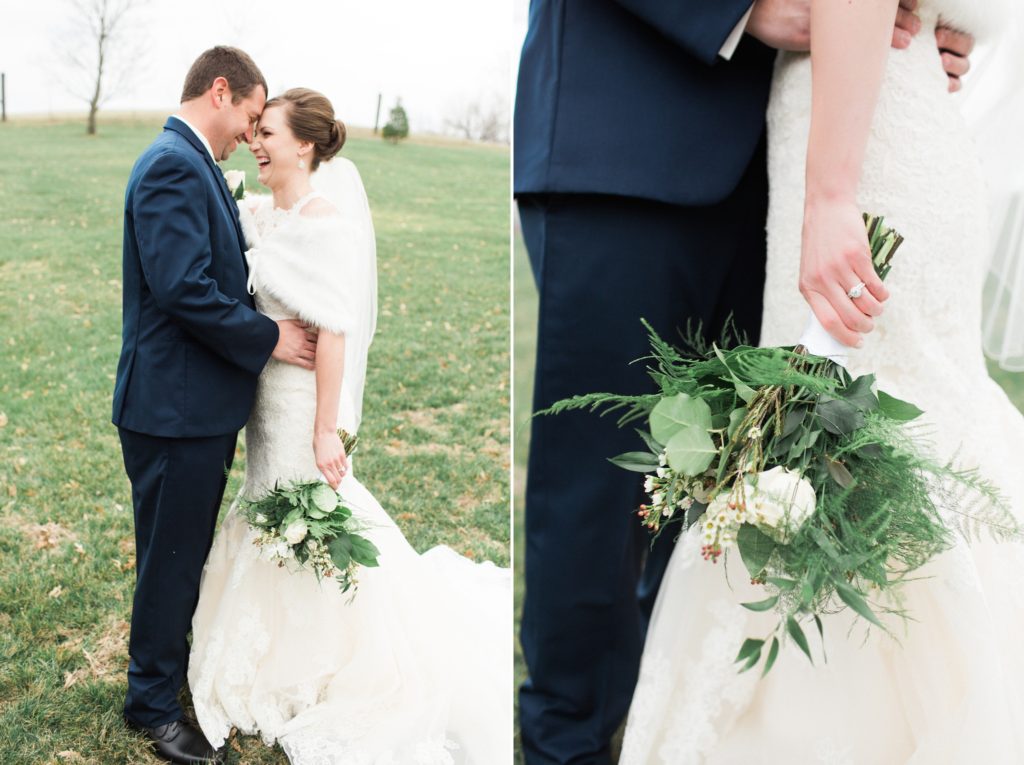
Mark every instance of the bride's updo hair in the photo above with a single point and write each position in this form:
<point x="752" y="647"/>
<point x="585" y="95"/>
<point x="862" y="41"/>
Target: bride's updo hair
<point x="310" y="117"/>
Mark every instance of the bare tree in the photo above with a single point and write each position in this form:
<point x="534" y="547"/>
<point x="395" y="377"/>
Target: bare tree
<point x="476" y="122"/>
<point x="104" y="57"/>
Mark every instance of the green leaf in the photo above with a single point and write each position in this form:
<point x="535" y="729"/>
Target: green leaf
<point x="821" y="633"/>
<point x="340" y="549"/>
<point x="797" y="633"/>
<point x="794" y="418"/>
<point x="839" y="473"/>
<point x="324" y="497"/>
<point x="364" y="552"/>
<point x="676" y="413"/>
<point x="856" y="601"/>
<point x="782" y="583"/>
<point x="827" y="545"/>
<point x="693" y="514"/>
<point x="773" y="654"/>
<point x="751" y="662"/>
<point x="691" y="450"/>
<point x="639" y="462"/>
<point x="762" y="605"/>
<point x="648" y="439"/>
<point x="755" y="547"/>
<point x="838" y="416"/>
<point x="743" y="390"/>
<point x="894" y="409"/>
<point x="860" y="394"/>
<point x="750" y="647"/>
<point x="735" y="418"/>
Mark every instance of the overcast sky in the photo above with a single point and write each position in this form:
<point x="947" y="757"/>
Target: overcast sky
<point x="436" y="56"/>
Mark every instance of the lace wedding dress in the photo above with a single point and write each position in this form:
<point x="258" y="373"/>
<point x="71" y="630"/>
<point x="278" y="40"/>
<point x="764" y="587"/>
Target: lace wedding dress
<point x="415" y="669"/>
<point x="948" y="688"/>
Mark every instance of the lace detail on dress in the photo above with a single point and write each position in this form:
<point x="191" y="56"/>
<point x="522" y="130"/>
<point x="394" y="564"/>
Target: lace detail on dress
<point x="683" y="695"/>
<point x="336" y="750"/>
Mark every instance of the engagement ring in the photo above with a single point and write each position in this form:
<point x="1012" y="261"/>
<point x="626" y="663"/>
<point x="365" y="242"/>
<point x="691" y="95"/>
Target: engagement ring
<point x="856" y="291"/>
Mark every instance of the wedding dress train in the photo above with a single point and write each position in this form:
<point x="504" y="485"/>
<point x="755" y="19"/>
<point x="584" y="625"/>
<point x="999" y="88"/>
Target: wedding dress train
<point x="948" y="688"/>
<point x="415" y="668"/>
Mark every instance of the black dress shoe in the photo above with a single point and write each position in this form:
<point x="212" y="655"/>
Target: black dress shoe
<point x="179" y="742"/>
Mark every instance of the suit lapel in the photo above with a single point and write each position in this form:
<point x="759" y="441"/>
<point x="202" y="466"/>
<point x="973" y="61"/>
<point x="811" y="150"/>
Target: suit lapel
<point x="182" y="129"/>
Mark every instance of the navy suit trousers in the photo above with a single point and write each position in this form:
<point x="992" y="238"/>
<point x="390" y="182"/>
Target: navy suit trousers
<point x="601" y="263"/>
<point x="177" y="487"/>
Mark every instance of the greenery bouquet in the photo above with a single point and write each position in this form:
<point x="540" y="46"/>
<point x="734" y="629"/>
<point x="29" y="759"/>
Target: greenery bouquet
<point x="308" y="523"/>
<point x="813" y="477"/>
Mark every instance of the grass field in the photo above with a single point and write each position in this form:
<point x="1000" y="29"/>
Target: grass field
<point x="525" y="329"/>
<point x="435" y="433"/>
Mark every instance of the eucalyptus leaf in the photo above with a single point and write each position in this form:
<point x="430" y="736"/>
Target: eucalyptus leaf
<point x="856" y="601"/>
<point x="796" y="632"/>
<point x="895" y="409"/>
<point x="840" y="474"/>
<point x="691" y="450"/>
<point x="773" y="654"/>
<point x="677" y="412"/>
<point x="782" y="583"/>
<point x="324" y="497"/>
<point x="750" y="646"/>
<point x="762" y="605"/>
<point x="638" y="462"/>
<point x="755" y="547"/>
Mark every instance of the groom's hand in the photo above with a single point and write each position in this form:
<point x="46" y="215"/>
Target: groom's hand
<point x="295" y="345"/>
<point x="786" y="24"/>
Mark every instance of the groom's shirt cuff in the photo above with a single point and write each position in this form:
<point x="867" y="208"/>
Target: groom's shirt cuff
<point x="729" y="47"/>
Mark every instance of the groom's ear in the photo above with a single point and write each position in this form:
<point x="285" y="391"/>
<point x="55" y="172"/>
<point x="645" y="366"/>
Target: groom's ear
<point x="220" y="93"/>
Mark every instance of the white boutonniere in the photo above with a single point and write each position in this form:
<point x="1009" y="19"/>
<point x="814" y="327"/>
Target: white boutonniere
<point x="236" y="183"/>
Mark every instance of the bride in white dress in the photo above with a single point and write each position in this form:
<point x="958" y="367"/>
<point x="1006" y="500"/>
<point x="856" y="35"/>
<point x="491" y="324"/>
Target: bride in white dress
<point x="415" y="669"/>
<point x="950" y="688"/>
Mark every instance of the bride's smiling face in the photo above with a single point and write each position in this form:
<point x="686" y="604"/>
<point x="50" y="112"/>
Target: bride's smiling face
<point x="277" y="150"/>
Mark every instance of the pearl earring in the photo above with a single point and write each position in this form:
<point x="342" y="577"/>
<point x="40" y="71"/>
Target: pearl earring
<point x="302" y="164"/>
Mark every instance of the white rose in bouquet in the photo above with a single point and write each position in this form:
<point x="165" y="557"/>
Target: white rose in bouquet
<point x="780" y="499"/>
<point x="295" y="532"/>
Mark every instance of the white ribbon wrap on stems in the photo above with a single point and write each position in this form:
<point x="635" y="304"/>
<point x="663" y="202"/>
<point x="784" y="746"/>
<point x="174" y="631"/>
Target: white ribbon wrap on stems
<point x="819" y="342"/>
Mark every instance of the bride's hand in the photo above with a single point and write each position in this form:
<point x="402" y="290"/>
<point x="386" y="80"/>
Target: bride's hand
<point x="834" y="258"/>
<point x="331" y="459"/>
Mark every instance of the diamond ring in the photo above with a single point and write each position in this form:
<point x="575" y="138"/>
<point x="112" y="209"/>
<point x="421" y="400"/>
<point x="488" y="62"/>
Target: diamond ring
<point x="856" y="291"/>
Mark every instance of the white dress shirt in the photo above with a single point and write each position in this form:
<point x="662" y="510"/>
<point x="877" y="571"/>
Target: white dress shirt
<point x="729" y="46"/>
<point x="202" y="137"/>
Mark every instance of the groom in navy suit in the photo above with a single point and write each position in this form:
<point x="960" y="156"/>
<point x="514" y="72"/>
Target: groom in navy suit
<point x="640" y="173"/>
<point x="192" y="348"/>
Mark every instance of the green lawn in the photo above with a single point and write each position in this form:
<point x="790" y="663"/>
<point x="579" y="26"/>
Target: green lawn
<point x="525" y="329"/>
<point x="435" y="435"/>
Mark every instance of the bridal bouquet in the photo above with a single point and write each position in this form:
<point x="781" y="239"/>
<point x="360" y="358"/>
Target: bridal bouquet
<point x="811" y="476"/>
<point x="308" y="523"/>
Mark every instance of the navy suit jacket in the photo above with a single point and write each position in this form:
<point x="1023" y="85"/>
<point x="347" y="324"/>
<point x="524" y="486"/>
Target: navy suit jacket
<point x="192" y="343"/>
<point x="630" y="97"/>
